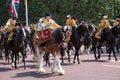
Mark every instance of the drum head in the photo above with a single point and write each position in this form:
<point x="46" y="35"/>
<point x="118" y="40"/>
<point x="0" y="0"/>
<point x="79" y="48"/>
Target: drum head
<point x="41" y="26"/>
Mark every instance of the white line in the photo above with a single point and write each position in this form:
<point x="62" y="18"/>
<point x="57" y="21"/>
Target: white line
<point x="112" y="66"/>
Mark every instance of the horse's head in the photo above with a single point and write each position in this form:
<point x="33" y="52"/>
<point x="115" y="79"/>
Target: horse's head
<point x="66" y="35"/>
<point x="83" y="27"/>
<point x="106" y="34"/>
<point x="82" y="30"/>
<point x="116" y="31"/>
<point x="41" y="25"/>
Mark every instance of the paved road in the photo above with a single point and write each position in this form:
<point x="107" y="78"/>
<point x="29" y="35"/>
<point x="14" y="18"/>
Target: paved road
<point x="89" y="69"/>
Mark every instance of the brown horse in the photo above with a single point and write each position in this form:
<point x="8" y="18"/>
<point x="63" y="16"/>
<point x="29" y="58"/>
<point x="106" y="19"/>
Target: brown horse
<point x="58" y="37"/>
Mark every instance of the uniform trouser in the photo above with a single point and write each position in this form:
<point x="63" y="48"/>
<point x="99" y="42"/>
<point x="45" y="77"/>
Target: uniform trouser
<point x="98" y="34"/>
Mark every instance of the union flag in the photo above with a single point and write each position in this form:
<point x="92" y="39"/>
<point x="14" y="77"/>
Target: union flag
<point x="14" y="5"/>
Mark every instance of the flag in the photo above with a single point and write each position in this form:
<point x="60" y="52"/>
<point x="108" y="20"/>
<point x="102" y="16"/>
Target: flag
<point x="14" y="5"/>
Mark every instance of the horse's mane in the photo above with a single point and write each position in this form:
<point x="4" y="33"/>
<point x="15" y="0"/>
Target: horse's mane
<point x="57" y="35"/>
<point x="107" y="34"/>
<point x="82" y="29"/>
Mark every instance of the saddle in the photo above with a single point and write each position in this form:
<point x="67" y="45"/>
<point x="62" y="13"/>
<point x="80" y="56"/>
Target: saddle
<point x="43" y="35"/>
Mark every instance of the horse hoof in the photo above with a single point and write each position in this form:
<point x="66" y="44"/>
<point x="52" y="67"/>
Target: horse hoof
<point x="41" y="71"/>
<point x="73" y="61"/>
<point x="62" y="72"/>
<point x="98" y="57"/>
<point x="13" y="65"/>
<point x="68" y="60"/>
<point x="53" y="71"/>
<point x="78" y="62"/>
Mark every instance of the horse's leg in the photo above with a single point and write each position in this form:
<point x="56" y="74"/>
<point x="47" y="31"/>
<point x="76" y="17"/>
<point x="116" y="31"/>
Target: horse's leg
<point x="40" y="65"/>
<point x="88" y="49"/>
<point x="18" y="58"/>
<point x="78" y="56"/>
<point x="94" y="50"/>
<point x="99" y="55"/>
<point x="35" y="52"/>
<point x="1" y="54"/>
<point x="40" y="61"/>
<point x="75" y="57"/>
<point x="48" y="59"/>
<point x="62" y="54"/>
<point x="61" y="71"/>
<point x="82" y="49"/>
<point x="68" y="52"/>
<point x="23" y="52"/>
<point x="109" y="58"/>
<point x="53" y="67"/>
<point x="15" y="62"/>
<point x="117" y="47"/>
<point x="6" y="56"/>
<point x="13" y="65"/>
<point x="101" y="50"/>
<point x="46" y="56"/>
<point x="114" y="55"/>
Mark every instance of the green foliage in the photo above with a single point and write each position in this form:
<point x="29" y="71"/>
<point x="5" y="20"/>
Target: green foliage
<point x="86" y="9"/>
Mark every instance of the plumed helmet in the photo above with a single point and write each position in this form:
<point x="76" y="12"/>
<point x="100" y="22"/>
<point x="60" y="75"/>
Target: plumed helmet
<point x="105" y="16"/>
<point x="68" y="15"/>
<point x="9" y="21"/>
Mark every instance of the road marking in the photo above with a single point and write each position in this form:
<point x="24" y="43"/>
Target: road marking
<point x="112" y="66"/>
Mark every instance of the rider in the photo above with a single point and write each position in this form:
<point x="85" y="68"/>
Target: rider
<point x="9" y="27"/>
<point x="82" y="21"/>
<point x="117" y="21"/>
<point x="1" y="28"/>
<point x="49" y="21"/>
<point x="93" y="25"/>
<point x="103" y="24"/>
<point x="71" y="21"/>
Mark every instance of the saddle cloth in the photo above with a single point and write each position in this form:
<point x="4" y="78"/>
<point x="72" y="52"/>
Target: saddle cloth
<point x="43" y="35"/>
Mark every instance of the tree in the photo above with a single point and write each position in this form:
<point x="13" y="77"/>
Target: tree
<point x="87" y="9"/>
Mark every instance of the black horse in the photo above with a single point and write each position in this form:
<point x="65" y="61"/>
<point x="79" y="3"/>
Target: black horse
<point x="77" y="40"/>
<point x="85" y="32"/>
<point x="116" y="33"/>
<point x="108" y="39"/>
<point x="16" y="45"/>
<point x="1" y="43"/>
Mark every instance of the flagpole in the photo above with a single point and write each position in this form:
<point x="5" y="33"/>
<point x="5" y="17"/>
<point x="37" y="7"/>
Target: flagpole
<point x="26" y="11"/>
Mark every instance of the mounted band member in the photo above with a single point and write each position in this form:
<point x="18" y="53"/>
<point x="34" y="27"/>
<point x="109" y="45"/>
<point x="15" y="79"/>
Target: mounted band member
<point x="44" y="28"/>
<point x="9" y="27"/>
<point x="49" y="21"/>
<point x="71" y="21"/>
<point x="117" y="21"/>
<point x="103" y="24"/>
<point x="93" y="25"/>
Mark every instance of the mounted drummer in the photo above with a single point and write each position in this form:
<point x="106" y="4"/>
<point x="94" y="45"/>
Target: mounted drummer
<point x="49" y="21"/>
<point x="44" y="28"/>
